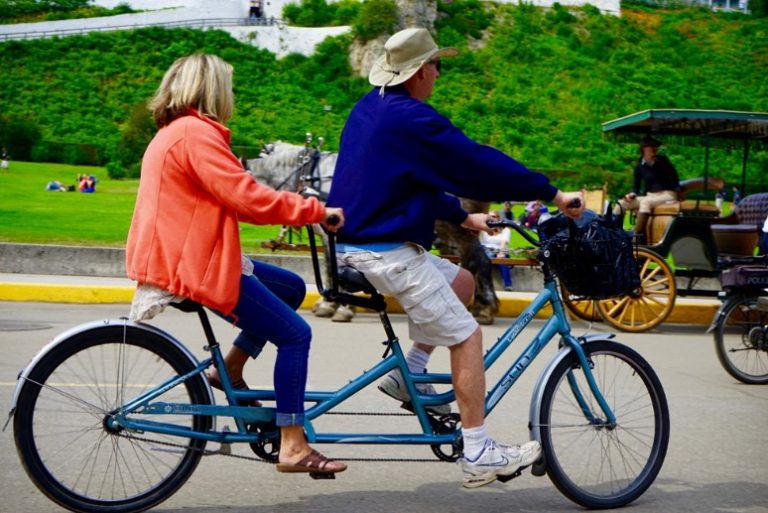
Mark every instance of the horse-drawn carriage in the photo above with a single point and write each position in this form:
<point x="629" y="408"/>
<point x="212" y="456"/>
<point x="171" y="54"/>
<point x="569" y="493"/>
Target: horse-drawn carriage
<point x="689" y="233"/>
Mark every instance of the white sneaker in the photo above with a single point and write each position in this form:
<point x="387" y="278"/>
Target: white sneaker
<point x="393" y="386"/>
<point x="343" y="314"/>
<point x="323" y="308"/>
<point x="498" y="460"/>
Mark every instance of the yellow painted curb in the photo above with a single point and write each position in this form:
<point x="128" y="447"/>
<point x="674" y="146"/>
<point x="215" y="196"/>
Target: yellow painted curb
<point x="693" y="313"/>
<point x="685" y="312"/>
<point x="57" y="293"/>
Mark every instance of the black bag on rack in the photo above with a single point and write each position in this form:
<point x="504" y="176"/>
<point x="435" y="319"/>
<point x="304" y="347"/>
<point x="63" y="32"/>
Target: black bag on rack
<point x="593" y="257"/>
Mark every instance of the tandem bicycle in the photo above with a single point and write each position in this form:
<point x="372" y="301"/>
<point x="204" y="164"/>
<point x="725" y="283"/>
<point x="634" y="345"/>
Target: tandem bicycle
<point x="114" y="416"/>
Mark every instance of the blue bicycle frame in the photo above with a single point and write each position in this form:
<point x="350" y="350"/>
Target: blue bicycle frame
<point x="129" y="416"/>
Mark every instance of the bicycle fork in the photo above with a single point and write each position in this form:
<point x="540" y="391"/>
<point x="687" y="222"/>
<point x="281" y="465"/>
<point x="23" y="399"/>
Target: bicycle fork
<point x="605" y="417"/>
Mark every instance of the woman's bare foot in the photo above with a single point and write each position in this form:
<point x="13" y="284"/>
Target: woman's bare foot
<point x="297" y="456"/>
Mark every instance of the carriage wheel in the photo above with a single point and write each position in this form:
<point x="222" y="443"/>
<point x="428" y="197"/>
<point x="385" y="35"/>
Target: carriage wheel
<point x="581" y="308"/>
<point x="650" y="304"/>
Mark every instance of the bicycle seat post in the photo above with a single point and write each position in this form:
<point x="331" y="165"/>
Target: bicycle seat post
<point x="207" y="328"/>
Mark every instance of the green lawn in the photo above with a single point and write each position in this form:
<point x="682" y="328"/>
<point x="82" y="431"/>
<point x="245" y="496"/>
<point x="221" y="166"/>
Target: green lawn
<point x="30" y="214"/>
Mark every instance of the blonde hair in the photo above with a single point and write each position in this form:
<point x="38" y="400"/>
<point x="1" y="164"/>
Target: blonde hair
<point x="200" y="81"/>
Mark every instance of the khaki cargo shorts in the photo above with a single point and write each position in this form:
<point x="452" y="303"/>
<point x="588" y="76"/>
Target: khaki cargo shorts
<point x="421" y="282"/>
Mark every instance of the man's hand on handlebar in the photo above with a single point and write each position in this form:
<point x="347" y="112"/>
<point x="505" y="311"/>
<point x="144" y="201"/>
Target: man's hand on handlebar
<point x="334" y="219"/>
<point x="477" y="222"/>
<point x="570" y="203"/>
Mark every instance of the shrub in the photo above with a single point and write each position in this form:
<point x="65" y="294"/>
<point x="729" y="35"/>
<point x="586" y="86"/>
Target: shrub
<point x="467" y="17"/>
<point x="319" y="13"/>
<point x="759" y="8"/>
<point x="125" y="161"/>
<point x="19" y="137"/>
<point x="376" y="17"/>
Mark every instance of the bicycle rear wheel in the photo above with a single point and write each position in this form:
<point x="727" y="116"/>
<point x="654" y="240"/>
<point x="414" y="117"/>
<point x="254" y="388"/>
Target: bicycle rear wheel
<point x="595" y="464"/>
<point x="69" y="450"/>
<point x="741" y="340"/>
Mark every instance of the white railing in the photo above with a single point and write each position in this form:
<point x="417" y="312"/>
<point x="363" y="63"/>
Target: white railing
<point x="196" y="23"/>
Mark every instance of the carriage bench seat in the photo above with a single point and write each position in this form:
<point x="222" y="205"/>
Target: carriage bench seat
<point x="662" y="215"/>
<point x="738" y="233"/>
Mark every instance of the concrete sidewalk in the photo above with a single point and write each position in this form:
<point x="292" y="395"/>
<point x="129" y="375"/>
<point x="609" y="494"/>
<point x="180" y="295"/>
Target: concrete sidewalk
<point x="92" y="290"/>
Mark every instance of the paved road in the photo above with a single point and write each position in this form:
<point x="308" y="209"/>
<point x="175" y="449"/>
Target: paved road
<point x="717" y="461"/>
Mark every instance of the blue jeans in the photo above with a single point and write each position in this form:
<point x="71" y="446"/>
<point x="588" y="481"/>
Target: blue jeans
<point x="504" y="270"/>
<point x="266" y="310"/>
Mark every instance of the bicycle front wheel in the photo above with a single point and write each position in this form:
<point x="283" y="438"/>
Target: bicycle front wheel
<point x="741" y="340"/>
<point x="594" y="463"/>
<point x="70" y="451"/>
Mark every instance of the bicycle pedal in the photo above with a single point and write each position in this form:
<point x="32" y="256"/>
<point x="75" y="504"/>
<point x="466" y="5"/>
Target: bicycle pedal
<point x="321" y="475"/>
<point x="516" y="473"/>
<point x="539" y="468"/>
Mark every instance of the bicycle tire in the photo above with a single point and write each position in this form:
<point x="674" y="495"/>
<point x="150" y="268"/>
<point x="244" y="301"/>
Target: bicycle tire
<point x="741" y="342"/>
<point x="599" y="466"/>
<point x="60" y="431"/>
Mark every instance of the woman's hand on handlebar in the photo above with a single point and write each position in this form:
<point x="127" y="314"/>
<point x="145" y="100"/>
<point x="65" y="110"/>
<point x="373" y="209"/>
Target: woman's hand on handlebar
<point x="334" y="218"/>
<point x="570" y="203"/>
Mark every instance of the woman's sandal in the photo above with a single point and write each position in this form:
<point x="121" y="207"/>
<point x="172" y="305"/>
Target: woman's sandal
<point x="314" y="463"/>
<point x="238" y="384"/>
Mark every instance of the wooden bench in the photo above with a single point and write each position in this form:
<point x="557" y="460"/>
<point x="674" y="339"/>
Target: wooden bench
<point x="530" y="262"/>
<point x="285" y="246"/>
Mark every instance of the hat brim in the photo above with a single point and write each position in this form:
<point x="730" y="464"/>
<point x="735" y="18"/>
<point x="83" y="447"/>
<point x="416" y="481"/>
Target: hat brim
<point x="381" y="76"/>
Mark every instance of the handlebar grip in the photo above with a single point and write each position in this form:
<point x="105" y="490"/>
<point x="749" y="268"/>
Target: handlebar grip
<point x="333" y="220"/>
<point x="574" y="203"/>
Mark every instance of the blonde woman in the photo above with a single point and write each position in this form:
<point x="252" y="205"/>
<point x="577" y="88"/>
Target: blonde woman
<point x="184" y="241"/>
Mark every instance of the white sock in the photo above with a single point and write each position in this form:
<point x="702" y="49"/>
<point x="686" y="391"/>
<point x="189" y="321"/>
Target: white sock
<point x="417" y="360"/>
<point x="474" y="441"/>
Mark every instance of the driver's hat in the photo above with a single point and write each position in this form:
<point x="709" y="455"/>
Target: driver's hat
<point x="649" y="141"/>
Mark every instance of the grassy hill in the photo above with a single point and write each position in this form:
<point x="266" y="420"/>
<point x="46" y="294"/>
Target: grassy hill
<point x="536" y="83"/>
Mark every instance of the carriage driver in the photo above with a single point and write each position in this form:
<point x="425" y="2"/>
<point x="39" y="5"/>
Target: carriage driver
<point x="662" y="185"/>
<point x="401" y="165"/>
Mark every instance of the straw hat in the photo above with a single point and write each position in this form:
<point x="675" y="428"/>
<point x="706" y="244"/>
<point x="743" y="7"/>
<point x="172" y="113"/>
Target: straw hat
<point x="404" y="53"/>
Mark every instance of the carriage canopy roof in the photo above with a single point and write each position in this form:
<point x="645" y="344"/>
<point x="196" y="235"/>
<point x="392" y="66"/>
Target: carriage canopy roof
<point x="729" y="128"/>
<point x="703" y="126"/>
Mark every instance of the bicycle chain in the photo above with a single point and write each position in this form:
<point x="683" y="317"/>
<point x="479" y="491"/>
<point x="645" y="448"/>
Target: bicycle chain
<point x="220" y="452"/>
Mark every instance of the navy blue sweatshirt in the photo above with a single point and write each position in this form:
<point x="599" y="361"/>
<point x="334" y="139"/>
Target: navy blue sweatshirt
<point x="401" y="166"/>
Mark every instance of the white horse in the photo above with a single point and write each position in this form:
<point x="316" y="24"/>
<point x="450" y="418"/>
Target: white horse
<point x="303" y="169"/>
<point x="308" y="171"/>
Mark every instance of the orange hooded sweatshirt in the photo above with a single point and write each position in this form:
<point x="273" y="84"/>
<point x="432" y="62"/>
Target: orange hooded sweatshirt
<point x="184" y="234"/>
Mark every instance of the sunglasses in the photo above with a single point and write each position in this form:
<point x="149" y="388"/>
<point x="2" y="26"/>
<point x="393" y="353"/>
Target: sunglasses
<point x="436" y="63"/>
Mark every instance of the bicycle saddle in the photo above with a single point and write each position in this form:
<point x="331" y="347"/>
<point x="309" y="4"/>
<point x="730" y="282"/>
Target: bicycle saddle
<point x="188" y="305"/>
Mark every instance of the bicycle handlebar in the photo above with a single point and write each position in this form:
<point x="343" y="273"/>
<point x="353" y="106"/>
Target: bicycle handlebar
<point x="575" y="203"/>
<point x="518" y="228"/>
